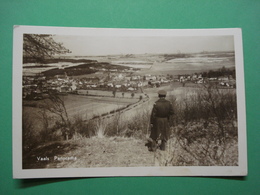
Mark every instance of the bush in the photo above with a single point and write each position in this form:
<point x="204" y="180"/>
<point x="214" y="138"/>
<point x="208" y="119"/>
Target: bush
<point x="138" y="126"/>
<point x="81" y="127"/>
<point x="205" y="128"/>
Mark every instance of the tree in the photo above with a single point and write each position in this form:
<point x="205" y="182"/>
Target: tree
<point x="223" y="71"/>
<point x="132" y="95"/>
<point x="38" y="47"/>
<point x="56" y="106"/>
<point x="114" y="92"/>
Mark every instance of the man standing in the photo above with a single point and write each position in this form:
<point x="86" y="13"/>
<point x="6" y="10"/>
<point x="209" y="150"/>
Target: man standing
<point x="162" y="110"/>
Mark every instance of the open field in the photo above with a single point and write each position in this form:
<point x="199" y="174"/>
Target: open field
<point x="85" y="107"/>
<point x="155" y="63"/>
<point x="171" y="64"/>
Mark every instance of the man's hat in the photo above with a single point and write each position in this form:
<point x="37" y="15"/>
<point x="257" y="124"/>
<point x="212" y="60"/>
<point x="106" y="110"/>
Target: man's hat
<point x="162" y="92"/>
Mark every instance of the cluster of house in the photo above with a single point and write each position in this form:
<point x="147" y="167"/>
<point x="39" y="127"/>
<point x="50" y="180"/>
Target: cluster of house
<point x="103" y="80"/>
<point x="197" y="78"/>
<point x="227" y="80"/>
<point x="39" y="84"/>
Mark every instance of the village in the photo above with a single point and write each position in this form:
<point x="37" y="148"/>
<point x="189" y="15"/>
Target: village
<point x="37" y="86"/>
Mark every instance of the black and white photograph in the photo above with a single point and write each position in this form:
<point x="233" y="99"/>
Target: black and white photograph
<point x="99" y="102"/>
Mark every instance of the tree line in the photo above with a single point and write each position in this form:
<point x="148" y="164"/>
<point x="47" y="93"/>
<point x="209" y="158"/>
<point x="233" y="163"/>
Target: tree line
<point x="220" y="73"/>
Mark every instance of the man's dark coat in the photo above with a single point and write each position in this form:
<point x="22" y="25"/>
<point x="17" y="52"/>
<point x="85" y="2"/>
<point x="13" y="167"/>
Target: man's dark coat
<point x="162" y="110"/>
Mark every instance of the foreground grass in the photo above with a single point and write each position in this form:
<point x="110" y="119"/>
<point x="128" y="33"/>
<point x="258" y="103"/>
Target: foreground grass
<point x="90" y="152"/>
<point x="127" y="152"/>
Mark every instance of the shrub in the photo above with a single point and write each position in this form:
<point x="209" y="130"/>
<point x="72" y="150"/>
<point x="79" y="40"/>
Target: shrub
<point x="80" y="126"/>
<point x="205" y="127"/>
<point x="138" y="126"/>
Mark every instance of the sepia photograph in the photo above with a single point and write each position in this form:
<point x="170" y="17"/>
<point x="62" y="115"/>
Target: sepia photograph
<point x="96" y="102"/>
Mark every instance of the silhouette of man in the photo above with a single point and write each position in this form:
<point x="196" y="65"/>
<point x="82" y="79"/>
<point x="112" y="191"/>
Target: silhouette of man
<point x="162" y="110"/>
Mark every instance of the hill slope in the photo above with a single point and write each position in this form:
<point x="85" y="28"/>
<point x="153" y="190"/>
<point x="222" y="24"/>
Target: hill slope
<point x="90" y="152"/>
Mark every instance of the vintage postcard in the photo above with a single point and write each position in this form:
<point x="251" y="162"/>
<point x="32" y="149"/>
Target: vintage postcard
<point x="101" y="102"/>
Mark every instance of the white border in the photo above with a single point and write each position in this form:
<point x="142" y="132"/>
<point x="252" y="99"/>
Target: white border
<point x="18" y="172"/>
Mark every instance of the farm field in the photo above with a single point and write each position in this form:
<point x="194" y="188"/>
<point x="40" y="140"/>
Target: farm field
<point x="179" y="92"/>
<point x="85" y="107"/>
<point x="167" y="64"/>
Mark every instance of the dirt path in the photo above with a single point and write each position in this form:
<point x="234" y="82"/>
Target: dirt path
<point x="91" y="152"/>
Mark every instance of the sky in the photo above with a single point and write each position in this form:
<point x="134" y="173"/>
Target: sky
<point x="111" y="45"/>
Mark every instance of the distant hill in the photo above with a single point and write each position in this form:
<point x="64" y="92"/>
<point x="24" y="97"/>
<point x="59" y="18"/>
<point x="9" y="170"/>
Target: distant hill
<point x="146" y="63"/>
<point x="82" y="69"/>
